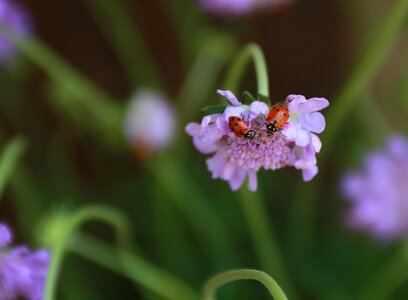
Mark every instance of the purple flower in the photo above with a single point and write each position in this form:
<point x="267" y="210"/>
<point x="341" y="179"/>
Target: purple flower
<point x="239" y="7"/>
<point x="237" y="158"/>
<point x="22" y="272"/>
<point x="15" y="20"/>
<point x="379" y="192"/>
<point x="150" y="122"/>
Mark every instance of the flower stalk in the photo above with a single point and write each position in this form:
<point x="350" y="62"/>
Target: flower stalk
<point x="218" y="281"/>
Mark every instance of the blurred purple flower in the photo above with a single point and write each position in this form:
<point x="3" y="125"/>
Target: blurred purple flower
<point x="22" y="272"/>
<point x="239" y="7"/>
<point x="150" y="122"/>
<point x="379" y="192"/>
<point x="236" y="158"/>
<point x="15" y="20"/>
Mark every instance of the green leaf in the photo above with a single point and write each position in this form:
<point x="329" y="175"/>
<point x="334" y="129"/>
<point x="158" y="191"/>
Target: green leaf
<point x="213" y="109"/>
<point x="264" y="98"/>
<point x="248" y="97"/>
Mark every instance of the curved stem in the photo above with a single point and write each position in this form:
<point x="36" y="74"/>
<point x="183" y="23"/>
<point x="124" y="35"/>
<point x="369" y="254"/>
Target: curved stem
<point x="364" y="72"/>
<point x="254" y="52"/>
<point x="72" y="223"/>
<point x="218" y="281"/>
<point x="9" y="158"/>
<point x="133" y="267"/>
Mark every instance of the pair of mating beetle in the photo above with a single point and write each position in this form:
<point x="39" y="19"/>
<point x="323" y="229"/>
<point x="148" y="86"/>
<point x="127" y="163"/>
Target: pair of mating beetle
<point x="277" y="117"/>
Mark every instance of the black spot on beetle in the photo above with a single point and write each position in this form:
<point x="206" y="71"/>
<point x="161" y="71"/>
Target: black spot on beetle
<point x="236" y="124"/>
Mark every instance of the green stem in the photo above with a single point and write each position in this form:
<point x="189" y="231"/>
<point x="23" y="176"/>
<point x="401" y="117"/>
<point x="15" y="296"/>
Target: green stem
<point x="218" y="281"/>
<point x="254" y="52"/>
<point x="71" y="225"/>
<point x="122" y="33"/>
<point x="133" y="267"/>
<point x="364" y="73"/>
<point x="10" y="156"/>
<point x="388" y="279"/>
<point x="263" y="237"/>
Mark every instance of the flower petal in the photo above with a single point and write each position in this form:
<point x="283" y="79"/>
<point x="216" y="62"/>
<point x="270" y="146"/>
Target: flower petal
<point x="313" y="104"/>
<point x="237" y="179"/>
<point x="234" y="111"/>
<point x="193" y="129"/>
<point x="293" y="101"/>
<point x="289" y="131"/>
<point x="309" y="173"/>
<point x="316" y="143"/>
<point x="313" y="122"/>
<point x="204" y="147"/>
<point x="228" y="171"/>
<point x="5" y="236"/>
<point x="302" y="138"/>
<point x="256" y="108"/>
<point x="216" y="164"/>
<point x="230" y="97"/>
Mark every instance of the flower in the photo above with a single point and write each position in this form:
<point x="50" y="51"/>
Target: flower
<point x="237" y="158"/>
<point x="379" y="192"/>
<point x="14" y="19"/>
<point x="239" y="7"/>
<point x="22" y="272"/>
<point x="150" y="121"/>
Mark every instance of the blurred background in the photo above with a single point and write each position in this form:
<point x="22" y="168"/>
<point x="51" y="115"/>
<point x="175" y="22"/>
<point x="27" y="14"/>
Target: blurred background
<point x="182" y="220"/>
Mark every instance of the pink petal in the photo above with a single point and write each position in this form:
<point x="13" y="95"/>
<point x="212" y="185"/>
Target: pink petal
<point x="290" y="131"/>
<point x="233" y="111"/>
<point x="237" y="179"/>
<point x="5" y="236"/>
<point x="258" y="107"/>
<point x="252" y="181"/>
<point x="316" y="143"/>
<point x="309" y="173"/>
<point x="313" y="104"/>
<point x="313" y="122"/>
<point x="230" y="97"/>
<point x="193" y="129"/>
<point x="302" y="138"/>
<point x="294" y="101"/>
<point x="207" y="120"/>
<point x="216" y="165"/>
<point x="204" y="147"/>
<point x="223" y="126"/>
<point x="228" y="171"/>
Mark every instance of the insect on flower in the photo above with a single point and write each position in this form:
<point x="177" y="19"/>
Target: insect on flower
<point x="277" y="117"/>
<point x="240" y="128"/>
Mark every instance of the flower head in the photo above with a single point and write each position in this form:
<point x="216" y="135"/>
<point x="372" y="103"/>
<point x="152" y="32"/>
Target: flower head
<point x="15" y="20"/>
<point x="239" y="7"/>
<point x="379" y="192"/>
<point x="237" y="157"/>
<point x="22" y="272"/>
<point x="150" y="121"/>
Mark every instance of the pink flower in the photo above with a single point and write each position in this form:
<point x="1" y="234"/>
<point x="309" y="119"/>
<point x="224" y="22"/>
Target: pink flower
<point x="379" y="192"/>
<point x="237" y="158"/>
<point x="22" y="272"/>
<point x="239" y="7"/>
<point x="150" y="122"/>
